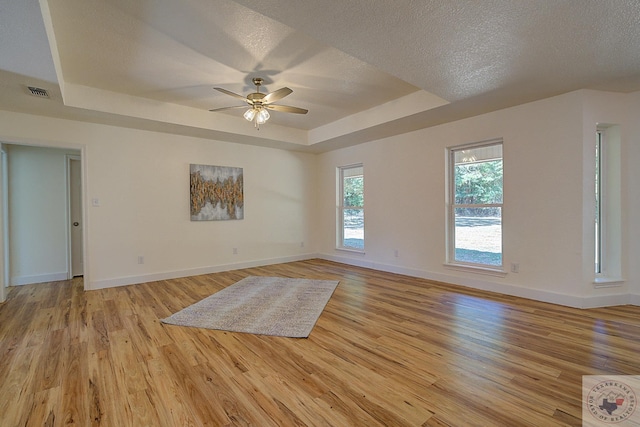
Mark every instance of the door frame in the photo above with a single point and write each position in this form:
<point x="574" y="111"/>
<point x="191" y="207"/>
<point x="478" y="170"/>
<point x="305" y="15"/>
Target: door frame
<point x="68" y="159"/>
<point x="4" y="233"/>
<point x="82" y="148"/>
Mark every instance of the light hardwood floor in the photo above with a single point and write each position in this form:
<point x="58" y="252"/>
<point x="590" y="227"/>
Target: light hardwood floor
<point x="388" y="350"/>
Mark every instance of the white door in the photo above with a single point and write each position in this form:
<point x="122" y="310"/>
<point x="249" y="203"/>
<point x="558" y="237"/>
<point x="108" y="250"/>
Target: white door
<point x="75" y="201"/>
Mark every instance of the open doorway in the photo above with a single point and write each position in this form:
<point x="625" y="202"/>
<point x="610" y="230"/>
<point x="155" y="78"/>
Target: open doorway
<point x="39" y="214"/>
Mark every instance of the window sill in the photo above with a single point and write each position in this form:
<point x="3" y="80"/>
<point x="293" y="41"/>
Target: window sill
<point x="607" y="282"/>
<point x="355" y="251"/>
<point x="489" y="271"/>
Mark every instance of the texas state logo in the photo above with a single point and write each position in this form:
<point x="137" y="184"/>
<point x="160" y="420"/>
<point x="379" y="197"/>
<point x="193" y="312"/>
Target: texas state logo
<point x="611" y="401"/>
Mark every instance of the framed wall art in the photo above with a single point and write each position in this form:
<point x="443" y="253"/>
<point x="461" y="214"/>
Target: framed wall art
<point x="216" y="193"/>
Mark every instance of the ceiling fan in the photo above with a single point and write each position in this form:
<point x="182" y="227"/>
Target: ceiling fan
<point x="260" y="102"/>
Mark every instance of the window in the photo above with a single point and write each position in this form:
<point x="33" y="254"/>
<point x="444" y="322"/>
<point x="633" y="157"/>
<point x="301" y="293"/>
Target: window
<point x="475" y="205"/>
<point x="598" y="197"/>
<point x="608" y="206"/>
<point x="351" y="207"/>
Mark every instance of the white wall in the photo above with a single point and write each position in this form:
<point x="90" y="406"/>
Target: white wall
<point x="141" y="180"/>
<point x="37" y="181"/>
<point x="631" y="193"/>
<point x="544" y="193"/>
<point x="611" y="110"/>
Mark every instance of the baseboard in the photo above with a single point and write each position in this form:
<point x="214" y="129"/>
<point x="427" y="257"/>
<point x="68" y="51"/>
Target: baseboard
<point x="41" y="278"/>
<point x="610" y="300"/>
<point x="474" y="283"/>
<point x="167" y="275"/>
<point x="633" y="299"/>
<point x="575" y="301"/>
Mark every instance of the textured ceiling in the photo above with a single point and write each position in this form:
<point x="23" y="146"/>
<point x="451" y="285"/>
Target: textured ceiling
<point x="461" y="49"/>
<point x="363" y="69"/>
<point x="177" y="51"/>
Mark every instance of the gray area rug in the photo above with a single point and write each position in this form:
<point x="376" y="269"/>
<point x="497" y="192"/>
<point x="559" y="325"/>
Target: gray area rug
<point x="261" y="305"/>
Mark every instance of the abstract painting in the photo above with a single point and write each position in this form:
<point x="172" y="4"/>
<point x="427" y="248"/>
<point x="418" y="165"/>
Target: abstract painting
<point x="216" y="193"/>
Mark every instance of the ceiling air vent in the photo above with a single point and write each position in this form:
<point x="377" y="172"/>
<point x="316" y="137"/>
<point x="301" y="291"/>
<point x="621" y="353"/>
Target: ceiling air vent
<point x="39" y="92"/>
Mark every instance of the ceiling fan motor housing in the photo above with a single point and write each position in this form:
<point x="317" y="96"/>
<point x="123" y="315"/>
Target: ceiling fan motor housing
<point x="256" y="98"/>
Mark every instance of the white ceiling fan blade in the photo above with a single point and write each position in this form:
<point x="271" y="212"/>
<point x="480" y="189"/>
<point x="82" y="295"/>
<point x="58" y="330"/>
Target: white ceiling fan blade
<point x="276" y="95"/>
<point x="229" y="108"/>
<point x="287" y="109"/>
<point x="235" y="95"/>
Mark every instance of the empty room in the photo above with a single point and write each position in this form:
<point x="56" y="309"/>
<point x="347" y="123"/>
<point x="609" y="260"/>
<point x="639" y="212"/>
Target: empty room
<point x="327" y="213"/>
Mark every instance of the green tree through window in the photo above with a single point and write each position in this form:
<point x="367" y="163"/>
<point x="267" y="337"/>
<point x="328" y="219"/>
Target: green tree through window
<point x="354" y="191"/>
<point x="479" y="183"/>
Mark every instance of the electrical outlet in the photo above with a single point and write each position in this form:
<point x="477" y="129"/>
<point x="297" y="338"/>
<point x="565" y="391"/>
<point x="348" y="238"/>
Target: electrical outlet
<point x="302" y="244"/>
<point x="235" y="251"/>
<point x="396" y="253"/>
<point x="515" y="267"/>
<point x="140" y="259"/>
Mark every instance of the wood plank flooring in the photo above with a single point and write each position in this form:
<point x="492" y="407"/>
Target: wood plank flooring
<point x="388" y="350"/>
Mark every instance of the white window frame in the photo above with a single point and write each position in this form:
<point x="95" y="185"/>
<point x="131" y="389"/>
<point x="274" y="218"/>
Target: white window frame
<point x="599" y="233"/>
<point x="608" y="240"/>
<point x="341" y="208"/>
<point x="451" y="209"/>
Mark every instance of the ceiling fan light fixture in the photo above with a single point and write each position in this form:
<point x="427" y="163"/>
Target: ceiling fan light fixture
<point x="250" y="114"/>
<point x="262" y="117"/>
